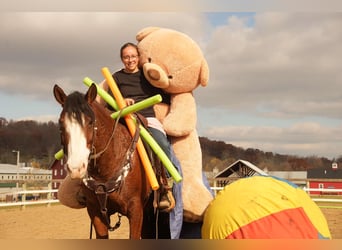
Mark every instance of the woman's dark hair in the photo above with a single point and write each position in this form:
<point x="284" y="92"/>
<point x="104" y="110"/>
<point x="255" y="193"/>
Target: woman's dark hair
<point x="128" y="45"/>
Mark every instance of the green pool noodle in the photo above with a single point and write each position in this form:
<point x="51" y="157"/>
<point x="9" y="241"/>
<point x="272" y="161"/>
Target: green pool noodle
<point x="101" y="92"/>
<point x="137" y="106"/>
<point x="59" y="155"/>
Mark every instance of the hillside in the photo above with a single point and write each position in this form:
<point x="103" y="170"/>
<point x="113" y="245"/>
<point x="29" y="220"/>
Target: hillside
<point x="38" y="142"/>
<point x="221" y="154"/>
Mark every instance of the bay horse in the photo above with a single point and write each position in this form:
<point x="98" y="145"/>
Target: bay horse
<point x="101" y="151"/>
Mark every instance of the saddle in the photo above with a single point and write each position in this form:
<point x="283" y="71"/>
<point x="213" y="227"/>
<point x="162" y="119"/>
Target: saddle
<point x="163" y="197"/>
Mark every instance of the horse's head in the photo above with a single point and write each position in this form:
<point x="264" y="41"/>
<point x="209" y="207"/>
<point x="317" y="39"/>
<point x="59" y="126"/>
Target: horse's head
<point x="76" y="121"/>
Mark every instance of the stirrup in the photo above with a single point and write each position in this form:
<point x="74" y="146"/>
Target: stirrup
<point x="166" y="202"/>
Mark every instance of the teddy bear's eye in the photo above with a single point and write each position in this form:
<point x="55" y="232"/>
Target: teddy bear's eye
<point x="149" y="59"/>
<point x="169" y="76"/>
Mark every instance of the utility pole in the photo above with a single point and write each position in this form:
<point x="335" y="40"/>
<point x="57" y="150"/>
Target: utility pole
<point x="18" y="162"/>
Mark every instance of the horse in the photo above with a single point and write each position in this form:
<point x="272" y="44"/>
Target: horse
<point x="101" y="151"/>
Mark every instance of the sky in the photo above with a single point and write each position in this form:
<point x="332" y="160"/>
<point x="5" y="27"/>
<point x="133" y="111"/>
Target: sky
<point x="275" y="76"/>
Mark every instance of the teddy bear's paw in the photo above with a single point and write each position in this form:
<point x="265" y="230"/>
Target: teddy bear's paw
<point x="196" y="199"/>
<point x="69" y="193"/>
<point x="189" y="216"/>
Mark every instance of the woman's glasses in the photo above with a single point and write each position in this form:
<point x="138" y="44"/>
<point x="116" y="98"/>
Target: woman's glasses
<point x="126" y="58"/>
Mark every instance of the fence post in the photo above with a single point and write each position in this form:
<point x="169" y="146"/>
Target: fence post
<point x="49" y="195"/>
<point x="23" y="197"/>
<point x="215" y="185"/>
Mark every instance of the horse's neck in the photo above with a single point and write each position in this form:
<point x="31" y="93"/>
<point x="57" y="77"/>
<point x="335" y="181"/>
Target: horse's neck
<point x="110" y="138"/>
<point x="102" y="116"/>
<point x="104" y="126"/>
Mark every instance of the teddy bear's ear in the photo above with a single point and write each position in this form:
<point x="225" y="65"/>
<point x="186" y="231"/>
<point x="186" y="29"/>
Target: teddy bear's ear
<point x="145" y="32"/>
<point x="204" y="74"/>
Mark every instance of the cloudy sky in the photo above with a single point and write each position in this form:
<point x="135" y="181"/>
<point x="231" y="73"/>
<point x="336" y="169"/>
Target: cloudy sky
<point x="275" y="77"/>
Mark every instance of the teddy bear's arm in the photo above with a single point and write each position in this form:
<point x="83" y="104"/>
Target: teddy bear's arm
<point x="182" y="118"/>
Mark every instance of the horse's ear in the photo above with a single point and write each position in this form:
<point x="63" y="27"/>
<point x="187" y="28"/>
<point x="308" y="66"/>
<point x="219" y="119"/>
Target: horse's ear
<point x="91" y="93"/>
<point x="59" y="94"/>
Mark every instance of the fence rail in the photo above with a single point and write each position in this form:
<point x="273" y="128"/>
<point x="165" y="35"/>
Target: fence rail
<point x="322" y="189"/>
<point x="49" y="201"/>
<point x="25" y="202"/>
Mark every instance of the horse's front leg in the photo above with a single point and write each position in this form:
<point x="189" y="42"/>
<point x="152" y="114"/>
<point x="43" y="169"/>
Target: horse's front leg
<point x="101" y="229"/>
<point x="135" y="218"/>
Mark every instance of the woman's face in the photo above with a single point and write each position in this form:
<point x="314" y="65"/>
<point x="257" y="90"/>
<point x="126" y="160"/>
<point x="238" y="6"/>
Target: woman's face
<point x="130" y="59"/>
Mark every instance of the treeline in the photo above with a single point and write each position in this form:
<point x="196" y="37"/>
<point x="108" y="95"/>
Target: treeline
<point x="38" y="142"/>
<point x="220" y="154"/>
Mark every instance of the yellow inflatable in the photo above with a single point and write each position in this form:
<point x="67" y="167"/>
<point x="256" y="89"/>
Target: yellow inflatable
<point x="263" y="207"/>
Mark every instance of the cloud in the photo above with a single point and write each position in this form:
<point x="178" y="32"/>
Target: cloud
<point x="41" y="48"/>
<point x="276" y="83"/>
<point x="275" y="77"/>
<point x="285" y="60"/>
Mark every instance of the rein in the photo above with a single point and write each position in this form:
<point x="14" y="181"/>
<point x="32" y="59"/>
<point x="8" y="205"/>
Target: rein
<point x="93" y="155"/>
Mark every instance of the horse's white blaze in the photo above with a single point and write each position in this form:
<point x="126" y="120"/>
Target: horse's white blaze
<point x="78" y="152"/>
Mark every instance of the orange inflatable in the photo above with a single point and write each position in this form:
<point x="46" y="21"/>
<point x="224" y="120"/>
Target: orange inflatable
<point x="264" y="207"/>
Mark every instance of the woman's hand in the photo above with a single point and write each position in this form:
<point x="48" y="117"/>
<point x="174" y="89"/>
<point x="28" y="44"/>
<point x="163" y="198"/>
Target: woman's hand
<point x="129" y="101"/>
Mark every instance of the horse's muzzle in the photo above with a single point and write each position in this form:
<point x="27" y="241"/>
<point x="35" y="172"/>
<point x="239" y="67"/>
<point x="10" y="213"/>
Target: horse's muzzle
<point x="77" y="172"/>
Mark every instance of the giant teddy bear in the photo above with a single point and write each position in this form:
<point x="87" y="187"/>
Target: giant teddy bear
<point x="173" y="62"/>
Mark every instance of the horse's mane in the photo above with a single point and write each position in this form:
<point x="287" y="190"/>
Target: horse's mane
<point x="75" y="105"/>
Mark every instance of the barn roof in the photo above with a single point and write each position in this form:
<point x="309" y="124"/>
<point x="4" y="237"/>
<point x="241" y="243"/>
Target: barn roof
<point x="289" y="174"/>
<point x="56" y="164"/>
<point x="13" y="169"/>
<point x="240" y="168"/>
<point x="325" y="173"/>
<point x="297" y="177"/>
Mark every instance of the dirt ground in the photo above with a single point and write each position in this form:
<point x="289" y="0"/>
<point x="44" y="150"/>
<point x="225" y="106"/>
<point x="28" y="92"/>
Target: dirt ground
<point x="334" y="218"/>
<point x="60" y="222"/>
<point x="54" y="222"/>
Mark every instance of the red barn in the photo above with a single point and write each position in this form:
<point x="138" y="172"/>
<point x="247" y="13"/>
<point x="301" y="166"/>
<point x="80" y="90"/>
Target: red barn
<point x="58" y="173"/>
<point x="330" y="178"/>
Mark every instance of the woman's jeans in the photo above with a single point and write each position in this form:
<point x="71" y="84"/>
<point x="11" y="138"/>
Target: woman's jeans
<point x="165" y="145"/>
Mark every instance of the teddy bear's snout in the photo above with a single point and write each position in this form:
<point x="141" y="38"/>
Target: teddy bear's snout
<point x="154" y="74"/>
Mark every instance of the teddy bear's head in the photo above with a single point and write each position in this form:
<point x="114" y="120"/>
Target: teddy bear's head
<point x="171" y="60"/>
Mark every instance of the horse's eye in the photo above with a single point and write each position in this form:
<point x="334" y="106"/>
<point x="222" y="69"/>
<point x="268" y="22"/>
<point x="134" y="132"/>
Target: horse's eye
<point x="61" y="128"/>
<point x="62" y="137"/>
<point x="90" y="124"/>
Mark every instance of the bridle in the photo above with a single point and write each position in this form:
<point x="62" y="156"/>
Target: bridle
<point x="93" y="155"/>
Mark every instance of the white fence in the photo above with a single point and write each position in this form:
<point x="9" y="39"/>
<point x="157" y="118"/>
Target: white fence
<point x="25" y="202"/>
<point x="50" y="200"/>
<point x="330" y="190"/>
